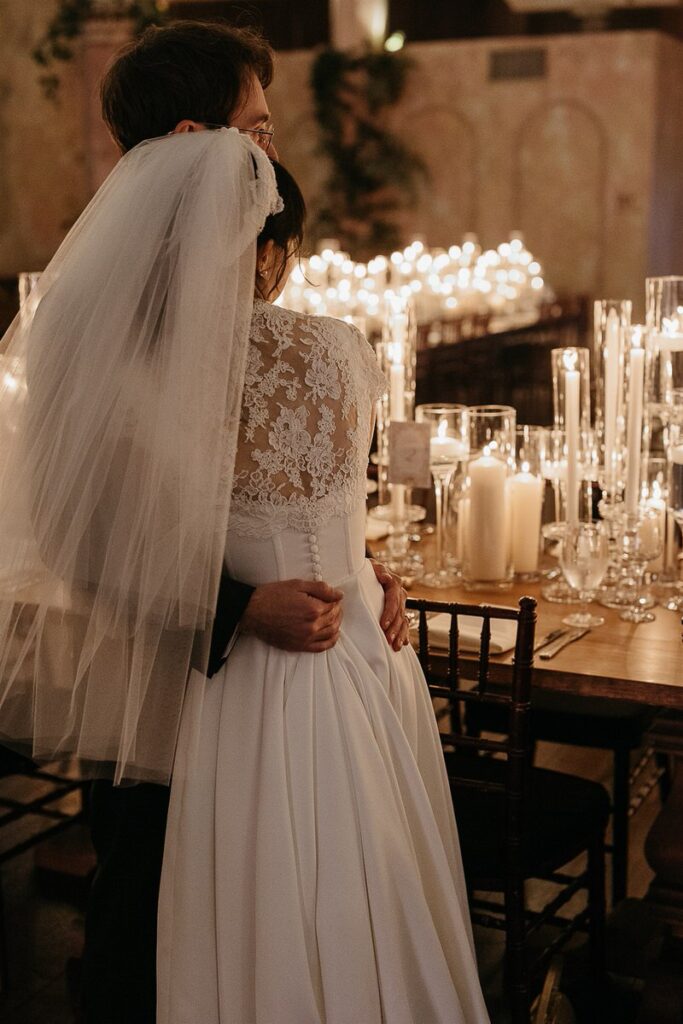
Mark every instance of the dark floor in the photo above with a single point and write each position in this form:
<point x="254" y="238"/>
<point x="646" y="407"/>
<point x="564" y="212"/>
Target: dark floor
<point x="44" y="922"/>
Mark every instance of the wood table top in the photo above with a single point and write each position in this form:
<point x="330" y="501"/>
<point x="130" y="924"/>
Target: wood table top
<point x="623" y="660"/>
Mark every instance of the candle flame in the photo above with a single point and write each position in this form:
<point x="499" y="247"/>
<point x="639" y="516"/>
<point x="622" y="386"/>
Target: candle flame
<point x="442" y="429"/>
<point x="395" y="353"/>
<point x="671" y="324"/>
<point x="570" y="358"/>
<point x="525" y="467"/>
<point x="638" y="336"/>
<point x="487" y="450"/>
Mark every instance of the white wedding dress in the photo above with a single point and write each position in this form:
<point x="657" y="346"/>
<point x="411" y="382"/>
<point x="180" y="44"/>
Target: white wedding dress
<point x="312" y="871"/>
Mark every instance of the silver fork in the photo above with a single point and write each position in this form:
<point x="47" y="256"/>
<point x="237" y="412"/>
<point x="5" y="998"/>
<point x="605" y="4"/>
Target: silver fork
<point x="562" y="642"/>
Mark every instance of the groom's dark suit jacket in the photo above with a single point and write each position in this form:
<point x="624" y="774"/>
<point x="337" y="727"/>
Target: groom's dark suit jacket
<point x="233" y="598"/>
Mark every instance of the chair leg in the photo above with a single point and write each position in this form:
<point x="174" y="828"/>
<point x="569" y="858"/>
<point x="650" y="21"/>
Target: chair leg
<point x="620" y="806"/>
<point x="596" y="910"/>
<point x="517" y="981"/>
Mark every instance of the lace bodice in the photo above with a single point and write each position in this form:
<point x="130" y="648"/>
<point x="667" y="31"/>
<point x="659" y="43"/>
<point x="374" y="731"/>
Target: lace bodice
<point x="310" y="387"/>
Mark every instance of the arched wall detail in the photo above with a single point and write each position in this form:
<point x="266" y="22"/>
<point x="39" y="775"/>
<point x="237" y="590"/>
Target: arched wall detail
<point x="559" y="191"/>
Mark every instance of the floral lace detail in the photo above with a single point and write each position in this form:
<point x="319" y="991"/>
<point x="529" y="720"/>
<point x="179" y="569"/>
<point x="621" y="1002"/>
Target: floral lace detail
<point x="310" y="386"/>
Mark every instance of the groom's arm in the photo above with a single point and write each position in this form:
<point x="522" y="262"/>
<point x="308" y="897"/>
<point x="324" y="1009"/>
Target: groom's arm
<point x="297" y="615"/>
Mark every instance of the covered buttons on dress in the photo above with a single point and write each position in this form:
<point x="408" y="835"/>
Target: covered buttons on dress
<point x="314" y="549"/>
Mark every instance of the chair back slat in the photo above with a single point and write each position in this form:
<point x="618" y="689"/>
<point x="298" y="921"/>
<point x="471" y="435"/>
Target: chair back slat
<point x="454" y="652"/>
<point x="484" y="650"/>
<point x="423" y="639"/>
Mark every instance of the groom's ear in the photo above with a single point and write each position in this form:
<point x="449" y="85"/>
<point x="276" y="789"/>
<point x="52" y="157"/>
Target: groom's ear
<point x="187" y="126"/>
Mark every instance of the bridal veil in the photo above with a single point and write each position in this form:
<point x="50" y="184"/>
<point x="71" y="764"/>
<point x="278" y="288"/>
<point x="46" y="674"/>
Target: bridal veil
<point x="120" y="393"/>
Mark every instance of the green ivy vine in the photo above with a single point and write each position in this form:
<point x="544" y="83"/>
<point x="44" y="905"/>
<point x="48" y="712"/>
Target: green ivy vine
<point x="374" y="176"/>
<point x="57" y="44"/>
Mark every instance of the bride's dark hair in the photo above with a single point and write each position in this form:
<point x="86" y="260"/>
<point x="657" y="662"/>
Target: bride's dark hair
<point x="285" y="229"/>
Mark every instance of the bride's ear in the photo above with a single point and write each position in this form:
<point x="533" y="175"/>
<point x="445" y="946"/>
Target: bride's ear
<point x="265" y="258"/>
<point x="187" y="126"/>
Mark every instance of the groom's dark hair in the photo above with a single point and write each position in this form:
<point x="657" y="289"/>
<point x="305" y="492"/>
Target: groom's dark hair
<point x="188" y="69"/>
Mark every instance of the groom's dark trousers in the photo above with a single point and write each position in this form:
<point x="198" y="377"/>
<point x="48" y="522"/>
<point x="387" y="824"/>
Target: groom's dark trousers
<point x="128" y="825"/>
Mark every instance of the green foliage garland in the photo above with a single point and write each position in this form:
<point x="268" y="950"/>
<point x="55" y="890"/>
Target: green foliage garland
<point x="67" y="25"/>
<point x="374" y="175"/>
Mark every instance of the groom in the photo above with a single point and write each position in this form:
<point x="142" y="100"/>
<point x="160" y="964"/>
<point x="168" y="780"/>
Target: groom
<point x="183" y="78"/>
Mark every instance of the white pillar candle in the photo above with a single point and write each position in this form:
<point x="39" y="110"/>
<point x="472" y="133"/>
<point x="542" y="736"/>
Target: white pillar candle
<point x="526" y="500"/>
<point x="659" y="505"/>
<point x="634" y="429"/>
<point x="571" y="416"/>
<point x="487" y="533"/>
<point x="463" y="529"/>
<point x="397" y="397"/>
<point x="612" y="377"/>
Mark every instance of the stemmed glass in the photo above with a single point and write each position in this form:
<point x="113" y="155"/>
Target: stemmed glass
<point x="640" y="539"/>
<point x="583" y="559"/>
<point x="448" y="447"/>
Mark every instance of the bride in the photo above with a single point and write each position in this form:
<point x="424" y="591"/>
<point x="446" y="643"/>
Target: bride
<point x="312" y="871"/>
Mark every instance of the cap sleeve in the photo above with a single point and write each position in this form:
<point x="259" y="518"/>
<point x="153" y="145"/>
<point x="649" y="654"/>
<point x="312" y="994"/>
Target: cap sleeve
<point x="374" y="378"/>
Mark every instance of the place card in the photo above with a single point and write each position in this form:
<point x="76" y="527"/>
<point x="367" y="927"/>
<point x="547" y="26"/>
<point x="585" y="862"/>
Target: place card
<point x="409" y="454"/>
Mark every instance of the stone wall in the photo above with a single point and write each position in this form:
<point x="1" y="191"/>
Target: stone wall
<point x="586" y="160"/>
<point x="43" y="180"/>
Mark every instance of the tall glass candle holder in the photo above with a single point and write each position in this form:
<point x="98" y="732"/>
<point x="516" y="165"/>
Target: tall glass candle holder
<point x="448" y="448"/>
<point x="397" y="357"/>
<point x="634" y="364"/>
<point x="397" y="353"/>
<point x="526" y="500"/>
<point x="664" y="371"/>
<point x="485" y="507"/>
<point x="611" y="319"/>
<point x="572" y="414"/>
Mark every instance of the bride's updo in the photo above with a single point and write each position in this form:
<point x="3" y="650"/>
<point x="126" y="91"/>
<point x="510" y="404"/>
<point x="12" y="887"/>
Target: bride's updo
<point x="285" y="233"/>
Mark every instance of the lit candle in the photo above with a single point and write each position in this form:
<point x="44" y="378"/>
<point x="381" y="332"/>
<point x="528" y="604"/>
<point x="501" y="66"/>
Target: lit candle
<point x="612" y="378"/>
<point x="397" y="395"/>
<point x="444" y="449"/>
<point x="572" y="380"/>
<point x="634" y="428"/>
<point x="487" y="533"/>
<point x="526" y="494"/>
<point x="671" y="335"/>
<point x="657" y="503"/>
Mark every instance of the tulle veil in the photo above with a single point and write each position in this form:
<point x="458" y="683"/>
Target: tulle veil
<point x="120" y="391"/>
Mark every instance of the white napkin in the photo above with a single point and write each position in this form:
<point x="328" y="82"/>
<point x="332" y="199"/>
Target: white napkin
<point x="503" y="633"/>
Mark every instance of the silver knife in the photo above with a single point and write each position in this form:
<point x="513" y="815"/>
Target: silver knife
<point x="563" y="642"/>
<point x="555" y="634"/>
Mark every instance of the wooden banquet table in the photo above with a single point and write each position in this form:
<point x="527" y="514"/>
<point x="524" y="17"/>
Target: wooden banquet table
<point x="620" y="660"/>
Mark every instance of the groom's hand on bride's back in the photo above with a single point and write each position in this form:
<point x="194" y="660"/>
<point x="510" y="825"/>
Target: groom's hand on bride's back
<point x="295" y="615"/>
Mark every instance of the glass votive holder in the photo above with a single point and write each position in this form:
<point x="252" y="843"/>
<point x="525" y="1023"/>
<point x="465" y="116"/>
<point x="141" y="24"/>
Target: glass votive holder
<point x="448" y="449"/>
<point x="526" y="489"/>
<point x="485" y="505"/>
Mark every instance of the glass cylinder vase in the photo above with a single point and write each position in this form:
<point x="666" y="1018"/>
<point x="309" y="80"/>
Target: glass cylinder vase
<point x="572" y="415"/>
<point x="611" y="319"/>
<point x="397" y="354"/>
<point x="485" y="505"/>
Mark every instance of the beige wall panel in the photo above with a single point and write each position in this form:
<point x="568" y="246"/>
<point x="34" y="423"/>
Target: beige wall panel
<point x="560" y="166"/>
<point x="42" y="148"/>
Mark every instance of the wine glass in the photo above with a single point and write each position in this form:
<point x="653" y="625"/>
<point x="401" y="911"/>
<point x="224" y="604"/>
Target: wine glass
<point x="583" y="558"/>
<point x="640" y="538"/>
<point x="448" y="446"/>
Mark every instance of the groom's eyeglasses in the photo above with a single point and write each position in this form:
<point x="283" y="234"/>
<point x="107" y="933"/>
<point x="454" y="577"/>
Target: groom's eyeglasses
<point x="261" y="136"/>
